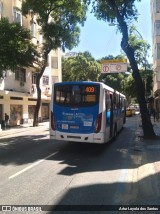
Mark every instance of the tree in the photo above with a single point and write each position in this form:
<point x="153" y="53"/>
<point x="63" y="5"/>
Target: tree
<point x="140" y="50"/>
<point x="139" y="45"/>
<point x="16" y="49"/>
<point x="129" y="87"/>
<point x="120" y="12"/>
<point x="59" y="21"/>
<point x="82" y="67"/>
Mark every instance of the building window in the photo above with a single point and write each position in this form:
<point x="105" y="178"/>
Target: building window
<point x="16" y="98"/>
<point x="158" y="51"/>
<point x="158" y="73"/>
<point x="20" y="74"/>
<point x="33" y="28"/>
<point x="1" y="8"/>
<point x="17" y="16"/>
<point x="54" y="62"/>
<point x="34" y="77"/>
<point x="45" y="80"/>
<point x="156" y="6"/>
<point x="157" y="28"/>
<point x="54" y="79"/>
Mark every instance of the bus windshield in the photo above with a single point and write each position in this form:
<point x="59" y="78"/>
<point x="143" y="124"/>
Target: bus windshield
<point x="76" y="95"/>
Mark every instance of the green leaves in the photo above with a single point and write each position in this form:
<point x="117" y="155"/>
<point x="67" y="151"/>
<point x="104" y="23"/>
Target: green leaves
<point x="16" y="48"/>
<point x="107" y="9"/>
<point x="82" y="67"/>
<point x="59" y="20"/>
<point x="139" y="45"/>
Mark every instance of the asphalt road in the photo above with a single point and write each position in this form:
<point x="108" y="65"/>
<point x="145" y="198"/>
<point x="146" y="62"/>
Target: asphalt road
<point x="36" y="171"/>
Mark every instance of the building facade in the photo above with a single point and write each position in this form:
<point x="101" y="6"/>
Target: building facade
<point x="155" y="15"/>
<point x="18" y="90"/>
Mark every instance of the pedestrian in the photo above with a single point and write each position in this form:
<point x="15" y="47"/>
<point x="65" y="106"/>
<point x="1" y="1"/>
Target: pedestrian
<point x="151" y="110"/>
<point x="6" y="118"/>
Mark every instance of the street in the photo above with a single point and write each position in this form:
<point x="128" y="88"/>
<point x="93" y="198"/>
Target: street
<point x="36" y="171"/>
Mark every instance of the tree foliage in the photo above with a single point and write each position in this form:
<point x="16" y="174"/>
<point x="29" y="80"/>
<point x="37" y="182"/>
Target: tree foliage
<point x="16" y="48"/>
<point x="141" y="48"/>
<point x="59" y="21"/>
<point x="82" y="67"/>
<point x="106" y="10"/>
<point x="139" y="45"/>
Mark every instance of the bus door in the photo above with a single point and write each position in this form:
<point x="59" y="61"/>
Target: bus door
<point x="111" y="115"/>
<point x="109" y="111"/>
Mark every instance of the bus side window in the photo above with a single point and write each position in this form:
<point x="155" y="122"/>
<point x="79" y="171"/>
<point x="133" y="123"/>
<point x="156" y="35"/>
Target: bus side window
<point x="106" y="104"/>
<point x="114" y="101"/>
<point x="118" y="101"/>
<point x="107" y="101"/>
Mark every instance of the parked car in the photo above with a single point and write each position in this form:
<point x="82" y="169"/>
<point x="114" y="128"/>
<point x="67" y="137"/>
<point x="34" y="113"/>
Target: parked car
<point x="132" y="108"/>
<point x="137" y="107"/>
<point x="128" y="112"/>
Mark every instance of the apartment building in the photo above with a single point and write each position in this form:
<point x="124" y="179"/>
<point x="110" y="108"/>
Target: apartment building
<point x="155" y="15"/>
<point x="18" y="90"/>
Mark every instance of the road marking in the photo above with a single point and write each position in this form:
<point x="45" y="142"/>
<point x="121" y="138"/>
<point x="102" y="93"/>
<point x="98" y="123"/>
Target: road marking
<point x="3" y="144"/>
<point x="31" y="166"/>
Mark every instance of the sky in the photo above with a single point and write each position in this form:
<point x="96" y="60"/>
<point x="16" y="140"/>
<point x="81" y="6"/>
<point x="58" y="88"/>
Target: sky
<point x="102" y="40"/>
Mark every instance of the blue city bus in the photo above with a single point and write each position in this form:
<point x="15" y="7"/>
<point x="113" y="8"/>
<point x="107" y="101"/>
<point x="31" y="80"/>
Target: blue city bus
<point x="86" y="111"/>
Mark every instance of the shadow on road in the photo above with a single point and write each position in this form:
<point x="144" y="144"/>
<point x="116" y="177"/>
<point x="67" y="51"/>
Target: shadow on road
<point x="78" y="157"/>
<point x="110" y="197"/>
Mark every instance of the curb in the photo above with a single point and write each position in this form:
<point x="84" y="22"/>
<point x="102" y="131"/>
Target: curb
<point x="22" y="128"/>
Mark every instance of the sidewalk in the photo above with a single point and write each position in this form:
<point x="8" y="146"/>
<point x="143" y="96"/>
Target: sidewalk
<point x="22" y="128"/>
<point x="139" y="131"/>
<point x="145" y="144"/>
<point x="147" y="172"/>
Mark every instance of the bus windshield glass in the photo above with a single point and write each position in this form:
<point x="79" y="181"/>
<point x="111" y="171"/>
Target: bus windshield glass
<point x="76" y="95"/>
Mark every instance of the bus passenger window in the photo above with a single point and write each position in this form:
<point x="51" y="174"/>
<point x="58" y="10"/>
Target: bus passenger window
<point x="114" y="102"/>
<point x="76" y="94"/>
<point x="108" y="101"/>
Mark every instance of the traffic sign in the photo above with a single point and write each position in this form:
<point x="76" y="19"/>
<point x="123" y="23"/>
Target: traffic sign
<point x="114" y="66"/>
<point x="114" y="61"/>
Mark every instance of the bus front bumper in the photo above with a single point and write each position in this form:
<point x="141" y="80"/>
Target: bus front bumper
<point x="85" y="138"/>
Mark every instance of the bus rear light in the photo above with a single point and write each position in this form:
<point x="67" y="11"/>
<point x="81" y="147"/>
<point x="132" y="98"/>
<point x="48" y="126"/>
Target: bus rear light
<point x="98" y="123"/>
<point x="53" y="126"/>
